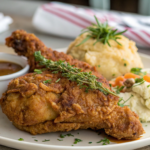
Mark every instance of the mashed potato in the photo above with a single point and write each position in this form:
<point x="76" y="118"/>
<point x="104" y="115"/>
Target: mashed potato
<point x="110" y="61"/>
<point x="139" y="102"/>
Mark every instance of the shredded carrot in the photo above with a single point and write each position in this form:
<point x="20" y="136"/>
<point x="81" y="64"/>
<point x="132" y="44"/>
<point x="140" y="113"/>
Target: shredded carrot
<point x="147" y="78"/>
<point x="119" y="80"/>
<point x="131" y="75"/>
<point x="112" y="83"/>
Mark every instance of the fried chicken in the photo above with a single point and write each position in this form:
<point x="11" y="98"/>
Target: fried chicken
<point x="38" y="107"/>
<point x="26" y="44"/>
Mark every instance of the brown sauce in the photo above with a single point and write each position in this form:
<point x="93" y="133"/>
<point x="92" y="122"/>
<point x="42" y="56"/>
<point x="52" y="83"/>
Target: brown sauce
<point x="7" y="68"/>
<point x="114" y="140"/>
<point x="111" y="139"/>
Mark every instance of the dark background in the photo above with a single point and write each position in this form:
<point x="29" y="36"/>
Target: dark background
<point x="119" y="5"/>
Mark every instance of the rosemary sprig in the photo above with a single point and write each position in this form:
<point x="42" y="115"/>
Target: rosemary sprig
<point x="102" y="32"/>
<point x="122" y="102"/>
<point x="83" y="79"/>
<point x="47" y="81"/>
<point x="119" y="89"/>
<point x="38" y="71"/>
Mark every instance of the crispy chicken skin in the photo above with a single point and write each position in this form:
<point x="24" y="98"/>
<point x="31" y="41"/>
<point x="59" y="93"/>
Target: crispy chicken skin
<point x="26" y="44"/>
<point x="38" y="107"/>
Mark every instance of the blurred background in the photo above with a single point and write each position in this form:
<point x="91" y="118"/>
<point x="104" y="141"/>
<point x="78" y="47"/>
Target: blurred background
<point x="132" y="6"/>
<point x="22" y="12"/>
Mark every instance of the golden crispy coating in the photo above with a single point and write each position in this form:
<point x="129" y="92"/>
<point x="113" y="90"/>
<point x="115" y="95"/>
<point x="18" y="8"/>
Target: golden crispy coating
<point x="26" y="44"/>
<point x="29" y="95"/>
<point x="38" y="107"/>
<point x="50" y="126"/>
<point x="116" y="127"/>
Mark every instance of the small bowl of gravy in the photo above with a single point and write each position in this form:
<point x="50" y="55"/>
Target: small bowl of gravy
<point x="11" y="66"/>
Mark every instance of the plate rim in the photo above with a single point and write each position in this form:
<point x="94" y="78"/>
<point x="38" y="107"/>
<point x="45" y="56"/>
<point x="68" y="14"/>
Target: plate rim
<point x="117" y="145"/>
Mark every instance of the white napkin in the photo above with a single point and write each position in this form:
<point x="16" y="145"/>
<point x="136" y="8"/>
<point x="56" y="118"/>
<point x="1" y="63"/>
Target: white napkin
<point x="5" y="21"/>
<point x="68" y="21"/>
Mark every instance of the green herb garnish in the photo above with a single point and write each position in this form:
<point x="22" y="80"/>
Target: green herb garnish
<point x="113" y="75"/>
<point x="47" y="81"/>
<point x="83" y="79"/>
<point x="45" y="140"/>
<point x="90" y="142"/>
<point x="138" y="71"/>
<point x="38" y="71"/>
<point x="102" y="32"/>
<point x="139" y="81"/>
<point x="62" y="136"/>
<point x="60" y="139"/>
<point x="148" y="85"/>
<point x="122" y="102"/>
<point x="140" y="120"/>
<point x="99" y="66"/>
<point x="55" y="72"/>
<point x="77" y="140"/>
<point x="58" y="80"/>
<point x="36" y="140"/>
<point x="21" y="139"/>
<point x="119" y="89"/>
<point x="69" y="134"/>
<point x="125" y="64"/>
<point x="104" y="141"/>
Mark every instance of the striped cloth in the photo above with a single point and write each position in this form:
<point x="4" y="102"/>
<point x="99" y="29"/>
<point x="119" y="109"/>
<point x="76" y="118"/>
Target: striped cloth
<point x="67" y="21"/>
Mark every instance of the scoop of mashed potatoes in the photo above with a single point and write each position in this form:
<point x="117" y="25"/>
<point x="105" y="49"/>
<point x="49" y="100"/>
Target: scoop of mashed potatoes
<point x="138" y="99"/>
<point x="110" y="61"/>
<point x="135" y="105"/>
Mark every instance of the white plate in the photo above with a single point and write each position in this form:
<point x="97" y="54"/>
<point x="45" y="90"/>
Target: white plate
<point x="9" y="135"/>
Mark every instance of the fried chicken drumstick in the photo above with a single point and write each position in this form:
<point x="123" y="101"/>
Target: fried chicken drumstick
<point x="48" y="102"/>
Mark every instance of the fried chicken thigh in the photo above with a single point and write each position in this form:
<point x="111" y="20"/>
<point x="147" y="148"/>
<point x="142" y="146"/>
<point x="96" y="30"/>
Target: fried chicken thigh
<point x="38" y="107"/>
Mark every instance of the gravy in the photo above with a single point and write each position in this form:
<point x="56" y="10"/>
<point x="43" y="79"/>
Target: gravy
<point x="114" y="140"/>
<point x="111" y="139"/>
<point x="7" y="68"/>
